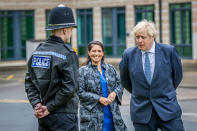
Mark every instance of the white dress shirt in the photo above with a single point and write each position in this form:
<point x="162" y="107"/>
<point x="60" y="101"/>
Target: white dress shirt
<point x="151" y="55"/>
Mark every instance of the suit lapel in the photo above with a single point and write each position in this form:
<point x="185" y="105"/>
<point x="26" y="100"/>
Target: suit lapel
<point x="158" y="59"/>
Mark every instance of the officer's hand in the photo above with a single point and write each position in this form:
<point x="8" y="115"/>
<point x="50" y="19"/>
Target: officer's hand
<point x="41" y="111"/>
<point x="38" y="112"/>
<point x="45" y="112"/>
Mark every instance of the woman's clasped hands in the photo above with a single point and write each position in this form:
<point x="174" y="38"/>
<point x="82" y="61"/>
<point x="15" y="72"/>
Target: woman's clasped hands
<point x="106" y="101"/>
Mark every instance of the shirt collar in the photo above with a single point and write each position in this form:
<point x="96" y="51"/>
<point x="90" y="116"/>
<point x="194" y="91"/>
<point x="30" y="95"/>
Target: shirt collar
<point x="152" y="49"/>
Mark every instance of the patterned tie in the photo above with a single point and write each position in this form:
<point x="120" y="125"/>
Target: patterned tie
<point x="147" y="68"/>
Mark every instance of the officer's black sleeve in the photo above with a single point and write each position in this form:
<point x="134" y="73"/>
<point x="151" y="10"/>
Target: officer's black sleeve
<point x="32" y="92"/>
<point x="69" y="83"/>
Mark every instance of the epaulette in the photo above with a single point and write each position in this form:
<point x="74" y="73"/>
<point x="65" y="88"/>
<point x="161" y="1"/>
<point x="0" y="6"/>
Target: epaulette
<point x="39" y="46"/>
<point x="69" y="47"/>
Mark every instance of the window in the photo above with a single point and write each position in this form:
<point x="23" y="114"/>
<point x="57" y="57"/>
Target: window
<point x="180" y="28"/>
<point x="15" y="28"/>
<point x="114" y="31"/>
<point x="144" y="12"/>
<point x="6" y="35"/>
<point x="48" y="33"/>
<point x="84" y="29"/>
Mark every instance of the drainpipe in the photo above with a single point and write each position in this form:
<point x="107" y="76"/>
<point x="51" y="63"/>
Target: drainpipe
<point x="160" y="20"/>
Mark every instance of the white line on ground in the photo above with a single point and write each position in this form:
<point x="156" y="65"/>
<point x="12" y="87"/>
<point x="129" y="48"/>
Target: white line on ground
<point x="190" y="114"/>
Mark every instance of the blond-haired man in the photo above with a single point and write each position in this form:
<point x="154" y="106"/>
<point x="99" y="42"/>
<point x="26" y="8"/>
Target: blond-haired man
<point x="151" y="72"/>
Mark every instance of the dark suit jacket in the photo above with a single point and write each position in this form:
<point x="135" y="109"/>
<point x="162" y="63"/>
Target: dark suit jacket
<point x="161" y="93"/>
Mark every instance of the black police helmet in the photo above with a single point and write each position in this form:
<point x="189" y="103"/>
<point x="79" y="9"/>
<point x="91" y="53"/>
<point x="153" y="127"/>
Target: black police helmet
<point x="61" y="17"/>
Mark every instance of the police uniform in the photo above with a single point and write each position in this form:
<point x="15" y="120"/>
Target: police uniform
<point x="52" y="79"/>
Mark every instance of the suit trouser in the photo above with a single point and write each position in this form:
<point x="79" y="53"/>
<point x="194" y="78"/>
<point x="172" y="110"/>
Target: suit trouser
<point x="156" y="123"/>
<point x="59" y="122"/>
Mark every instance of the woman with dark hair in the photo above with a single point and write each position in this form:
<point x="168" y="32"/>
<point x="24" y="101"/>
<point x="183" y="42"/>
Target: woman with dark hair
<point x="100" y="93"/>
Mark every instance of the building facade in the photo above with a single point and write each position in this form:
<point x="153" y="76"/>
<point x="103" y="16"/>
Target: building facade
<point x="109" y="21"/>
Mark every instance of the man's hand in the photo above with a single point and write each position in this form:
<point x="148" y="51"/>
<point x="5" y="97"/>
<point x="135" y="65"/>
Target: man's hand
<point x="38" y="110"/>
<point x="41" y="111"/>
<point x="45" y="111"/>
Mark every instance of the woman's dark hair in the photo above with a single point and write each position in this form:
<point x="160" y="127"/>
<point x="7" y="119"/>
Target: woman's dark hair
<point x="90" y="45"/>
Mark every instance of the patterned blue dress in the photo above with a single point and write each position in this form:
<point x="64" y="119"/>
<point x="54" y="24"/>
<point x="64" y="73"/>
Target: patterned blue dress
<point x="108" y="124"/>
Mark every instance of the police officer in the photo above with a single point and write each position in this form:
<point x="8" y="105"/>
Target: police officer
<point x="51" y="82"/>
